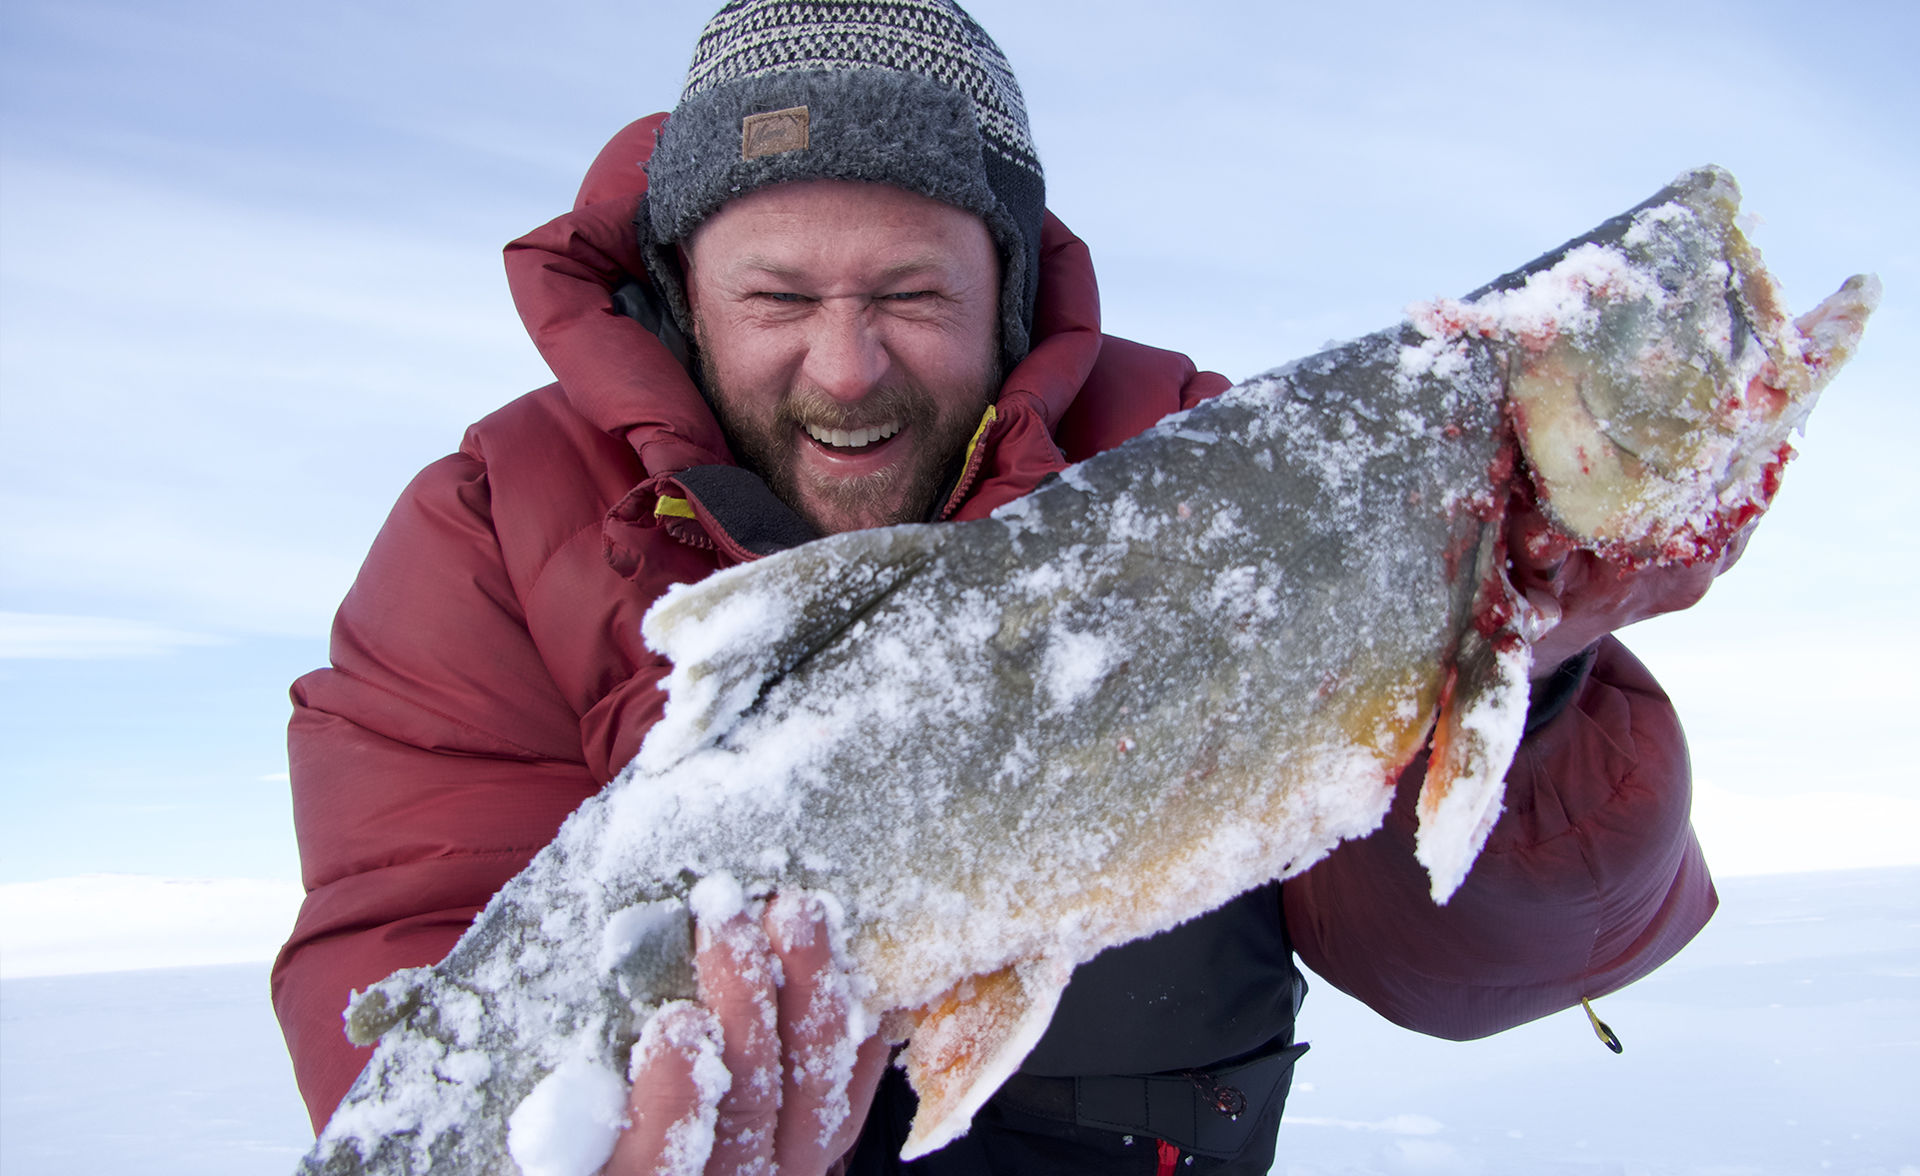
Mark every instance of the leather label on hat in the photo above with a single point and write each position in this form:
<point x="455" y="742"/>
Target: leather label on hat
<point x="773" y="132"/>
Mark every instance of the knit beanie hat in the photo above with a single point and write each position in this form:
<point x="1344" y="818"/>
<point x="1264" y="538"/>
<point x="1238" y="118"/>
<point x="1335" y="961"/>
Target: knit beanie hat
<point x="905" y="92"/>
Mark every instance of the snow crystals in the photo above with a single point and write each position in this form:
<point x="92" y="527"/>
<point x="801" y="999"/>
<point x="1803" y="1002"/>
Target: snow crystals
<point x="568" y="1123"/>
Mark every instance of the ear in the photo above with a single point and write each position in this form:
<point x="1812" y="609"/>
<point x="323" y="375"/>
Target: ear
<point x="685" y="261"/>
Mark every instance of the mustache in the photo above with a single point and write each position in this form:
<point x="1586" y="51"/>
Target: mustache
<point x="904" y="404"/>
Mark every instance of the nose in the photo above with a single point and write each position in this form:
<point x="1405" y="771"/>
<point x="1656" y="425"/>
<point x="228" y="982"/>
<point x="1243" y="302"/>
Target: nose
<point x="846" y="355"/>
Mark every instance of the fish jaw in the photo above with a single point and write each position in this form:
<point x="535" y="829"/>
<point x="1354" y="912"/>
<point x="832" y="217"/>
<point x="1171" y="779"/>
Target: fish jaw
<point x="1830" y="332"/>
<point x="1654" y="378"/>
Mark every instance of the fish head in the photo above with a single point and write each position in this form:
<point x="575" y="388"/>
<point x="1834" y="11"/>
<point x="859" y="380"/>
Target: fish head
<point x="1654" y="377"/>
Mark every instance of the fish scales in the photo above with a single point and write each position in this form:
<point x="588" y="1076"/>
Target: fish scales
<point x="1175" y="671"/>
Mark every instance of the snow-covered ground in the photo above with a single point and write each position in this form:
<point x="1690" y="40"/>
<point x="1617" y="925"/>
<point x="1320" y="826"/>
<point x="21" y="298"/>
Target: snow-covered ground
<point x="1786" y="1040"/>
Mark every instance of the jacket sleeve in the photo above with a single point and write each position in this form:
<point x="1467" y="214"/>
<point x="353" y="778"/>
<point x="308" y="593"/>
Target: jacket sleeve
<point x="1590" y="879"/>
<point x="429" y="764"/>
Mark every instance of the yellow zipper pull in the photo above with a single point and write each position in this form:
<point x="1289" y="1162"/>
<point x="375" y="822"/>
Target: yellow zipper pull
<point x="1600" y="1028"/>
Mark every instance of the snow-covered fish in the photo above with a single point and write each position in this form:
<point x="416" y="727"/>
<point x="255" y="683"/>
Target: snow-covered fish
<point x="1181" y="669"/>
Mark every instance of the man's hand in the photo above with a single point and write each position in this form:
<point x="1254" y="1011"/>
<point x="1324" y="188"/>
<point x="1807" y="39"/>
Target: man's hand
<point x="763" y="1071"/>
<point x="1582" y="597"/>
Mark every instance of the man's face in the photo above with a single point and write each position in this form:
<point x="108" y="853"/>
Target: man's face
<point x="849" y="340"/>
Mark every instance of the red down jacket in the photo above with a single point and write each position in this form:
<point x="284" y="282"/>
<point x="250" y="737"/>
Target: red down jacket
<point x="488" y="675"/>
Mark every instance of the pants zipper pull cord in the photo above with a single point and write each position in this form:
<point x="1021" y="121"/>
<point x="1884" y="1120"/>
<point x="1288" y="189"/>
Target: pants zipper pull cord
<point x="1605" y="1033"/>
<point x="1169" y="1157"/>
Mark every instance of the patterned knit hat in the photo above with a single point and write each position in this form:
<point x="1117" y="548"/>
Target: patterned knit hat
<point x="906" y="92"/>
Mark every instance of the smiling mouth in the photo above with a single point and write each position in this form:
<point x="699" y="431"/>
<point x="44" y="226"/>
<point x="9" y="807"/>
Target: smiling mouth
<point x="852" y="438"/>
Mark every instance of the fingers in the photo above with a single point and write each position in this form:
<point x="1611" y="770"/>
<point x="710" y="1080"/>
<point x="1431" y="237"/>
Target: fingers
<point x="1595" y="597"/>
<point x="738" y="980"/>
<point x="833" y="1061"/>
<point x="678" y="1082"/>
<point x="776" y="1062"/>
<point x="1575" y="597"/>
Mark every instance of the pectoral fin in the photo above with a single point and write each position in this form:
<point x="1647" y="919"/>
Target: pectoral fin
<point x="970" y="1040"/>
<point x="1483" y="713"/>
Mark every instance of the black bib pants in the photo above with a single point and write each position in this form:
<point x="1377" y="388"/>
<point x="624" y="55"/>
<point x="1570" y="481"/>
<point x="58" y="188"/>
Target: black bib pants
<point x="1173" y="1053"/>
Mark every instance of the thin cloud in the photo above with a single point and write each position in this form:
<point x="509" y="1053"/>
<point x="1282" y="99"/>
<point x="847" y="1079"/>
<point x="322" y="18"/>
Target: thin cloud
<point x="118" y="922"/>
<point x="53" y="636"/>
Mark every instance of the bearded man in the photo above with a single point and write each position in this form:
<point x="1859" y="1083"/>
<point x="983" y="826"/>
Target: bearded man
<point x="826" y="295"/>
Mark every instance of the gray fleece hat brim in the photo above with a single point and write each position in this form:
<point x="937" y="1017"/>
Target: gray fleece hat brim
<point x="861" y="123"/>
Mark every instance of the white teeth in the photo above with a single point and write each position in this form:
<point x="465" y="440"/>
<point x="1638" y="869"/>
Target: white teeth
<point x="853" y="439"/>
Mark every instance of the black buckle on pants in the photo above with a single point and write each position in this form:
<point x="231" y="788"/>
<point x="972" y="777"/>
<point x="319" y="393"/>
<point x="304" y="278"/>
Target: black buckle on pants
<point x="1195" y="1110"/>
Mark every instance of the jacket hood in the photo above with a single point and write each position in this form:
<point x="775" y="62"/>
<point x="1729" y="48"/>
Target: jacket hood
<point x="579" y="283"/>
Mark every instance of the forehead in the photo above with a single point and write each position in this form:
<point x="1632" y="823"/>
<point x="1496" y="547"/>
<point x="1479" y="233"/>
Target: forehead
<point x="827" y="222"/>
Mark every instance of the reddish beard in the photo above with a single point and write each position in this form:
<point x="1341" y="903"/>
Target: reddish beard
<point x="903" y="492"/>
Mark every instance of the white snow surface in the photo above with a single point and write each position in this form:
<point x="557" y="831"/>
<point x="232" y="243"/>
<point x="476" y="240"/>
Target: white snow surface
<point x="1555" y="301"/>
<point x="628" y="928"/>
<point x="1073" y="665"/>
<point x="697" y="703"/>
<point x="568" y="1124"/>
<point x="716" y="898"/>
<point x="1781" y="1042"/>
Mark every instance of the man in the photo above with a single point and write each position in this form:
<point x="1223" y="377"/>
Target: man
<point x="845" y="306"/>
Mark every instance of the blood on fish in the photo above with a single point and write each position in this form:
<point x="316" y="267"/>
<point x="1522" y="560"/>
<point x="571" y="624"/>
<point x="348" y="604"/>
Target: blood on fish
<point x="1768" y="397"/>
<point x="1491" y="502"/>
<point x="1439" y="738"/>
<point x="1493" y="617"/>
<point x="1770" y="477"/>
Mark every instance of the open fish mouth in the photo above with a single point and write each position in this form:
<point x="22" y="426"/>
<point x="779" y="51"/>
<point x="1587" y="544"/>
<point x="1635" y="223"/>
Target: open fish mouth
<point x="1183" y="668"/>
<point x="1655" y="374"/>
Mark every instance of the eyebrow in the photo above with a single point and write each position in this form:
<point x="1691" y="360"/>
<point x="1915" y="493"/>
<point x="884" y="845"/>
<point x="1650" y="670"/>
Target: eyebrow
<point x="925" y="263"/>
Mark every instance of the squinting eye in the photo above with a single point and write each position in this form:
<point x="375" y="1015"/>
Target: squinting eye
<point x="909" y="295"/>
<point x="780" y="296"/>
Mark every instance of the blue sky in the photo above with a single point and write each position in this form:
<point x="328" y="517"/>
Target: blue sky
<point x="250" y="282"/>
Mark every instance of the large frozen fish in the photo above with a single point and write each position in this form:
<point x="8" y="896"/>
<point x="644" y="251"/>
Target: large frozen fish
<point x="1181" y="669"/>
